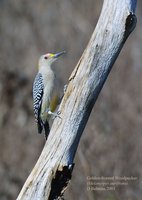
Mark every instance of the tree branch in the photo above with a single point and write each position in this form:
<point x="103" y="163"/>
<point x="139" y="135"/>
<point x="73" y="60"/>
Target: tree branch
<point x="53" y="170"/>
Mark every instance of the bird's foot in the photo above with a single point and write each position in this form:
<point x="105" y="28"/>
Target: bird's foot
<point x="58" y="112"/>
<point x="54" y="115"/>
<point x="65" y="88"/>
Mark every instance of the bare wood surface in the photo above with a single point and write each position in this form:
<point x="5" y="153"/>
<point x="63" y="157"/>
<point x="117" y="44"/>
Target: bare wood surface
<point x="53" y="169"/>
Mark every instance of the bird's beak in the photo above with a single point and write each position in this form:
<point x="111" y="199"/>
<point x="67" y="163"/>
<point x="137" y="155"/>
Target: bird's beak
<point x="59" y="54"/>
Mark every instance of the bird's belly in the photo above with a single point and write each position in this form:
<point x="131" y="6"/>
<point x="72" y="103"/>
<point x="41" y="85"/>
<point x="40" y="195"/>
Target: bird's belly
<point x="46" y="101"/>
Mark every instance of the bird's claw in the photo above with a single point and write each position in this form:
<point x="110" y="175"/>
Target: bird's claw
<point x="57" y="115"/>
<point x="58" y="112"/>
<point x="65" y="88"/>
<point x="54" y="115"/>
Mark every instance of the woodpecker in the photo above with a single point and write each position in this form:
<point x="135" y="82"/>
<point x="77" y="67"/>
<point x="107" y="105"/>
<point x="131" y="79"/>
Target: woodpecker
<point x="42" y="92"/>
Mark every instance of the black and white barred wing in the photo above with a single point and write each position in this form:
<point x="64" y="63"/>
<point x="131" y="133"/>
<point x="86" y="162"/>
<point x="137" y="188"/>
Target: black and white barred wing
<point x="37" y="96"/>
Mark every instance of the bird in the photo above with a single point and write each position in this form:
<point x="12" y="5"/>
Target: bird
<point x="44" y="103"/>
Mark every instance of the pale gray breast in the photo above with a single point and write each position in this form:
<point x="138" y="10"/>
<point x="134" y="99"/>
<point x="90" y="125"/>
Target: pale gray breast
<point x="48" y="82"/>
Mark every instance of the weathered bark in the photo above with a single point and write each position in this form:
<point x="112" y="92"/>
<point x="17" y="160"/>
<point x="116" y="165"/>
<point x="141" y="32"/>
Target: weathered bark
<point x="53" y="170"/>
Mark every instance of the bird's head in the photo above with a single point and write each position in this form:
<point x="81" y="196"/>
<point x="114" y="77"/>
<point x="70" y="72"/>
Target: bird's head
<point x="49" y="58"/>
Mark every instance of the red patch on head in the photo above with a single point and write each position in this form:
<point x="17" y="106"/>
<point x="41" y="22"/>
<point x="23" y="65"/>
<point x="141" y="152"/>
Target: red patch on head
<point x="46" y="56"/>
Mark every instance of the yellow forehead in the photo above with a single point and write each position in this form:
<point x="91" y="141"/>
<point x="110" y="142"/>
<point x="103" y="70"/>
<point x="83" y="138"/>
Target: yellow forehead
<point x="50" y="55"/>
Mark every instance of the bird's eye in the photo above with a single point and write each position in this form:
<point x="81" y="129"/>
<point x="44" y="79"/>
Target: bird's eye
<point x="45" y="57"/>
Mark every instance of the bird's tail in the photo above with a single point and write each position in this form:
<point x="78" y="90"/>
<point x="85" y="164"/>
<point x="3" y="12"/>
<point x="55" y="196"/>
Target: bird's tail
<point x="40" y="127"/>
<point x="45" y="126"/>
<point x="46" y="129"/>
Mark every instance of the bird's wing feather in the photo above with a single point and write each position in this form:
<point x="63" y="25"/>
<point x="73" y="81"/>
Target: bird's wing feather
<point x="37" y="95"/>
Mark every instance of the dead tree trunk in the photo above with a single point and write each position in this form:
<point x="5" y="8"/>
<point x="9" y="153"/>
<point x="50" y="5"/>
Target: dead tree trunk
<point x="53" y="169"/>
